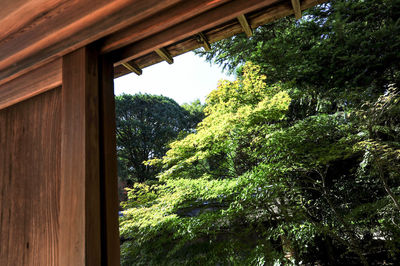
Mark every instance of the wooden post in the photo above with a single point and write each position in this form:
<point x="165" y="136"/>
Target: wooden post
<point x="108" y="163"/>
<point x="88" y="189"/>
<point x="80" y="241"/>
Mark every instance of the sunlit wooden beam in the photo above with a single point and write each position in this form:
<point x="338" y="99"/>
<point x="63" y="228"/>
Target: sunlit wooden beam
<point x="204" y="41"/>
<point x="163" y="53"/>
<point x="245" y="25"/>
<point x="296" y="8"/>
<point x="131" y="66"/>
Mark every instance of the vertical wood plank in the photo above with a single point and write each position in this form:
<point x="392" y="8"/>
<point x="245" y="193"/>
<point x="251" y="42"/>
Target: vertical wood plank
<point x="108" y="162"/>
<point x="29" y="181"/>
<point x="80" y="233"/>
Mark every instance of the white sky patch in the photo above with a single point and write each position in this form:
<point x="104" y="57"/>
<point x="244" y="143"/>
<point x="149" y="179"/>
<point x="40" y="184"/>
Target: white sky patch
<point x="187" y="79"/>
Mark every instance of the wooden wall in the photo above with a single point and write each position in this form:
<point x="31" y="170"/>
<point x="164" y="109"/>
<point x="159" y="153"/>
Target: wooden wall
<point x="30" y="142"/>
<point x="58" y="184"/>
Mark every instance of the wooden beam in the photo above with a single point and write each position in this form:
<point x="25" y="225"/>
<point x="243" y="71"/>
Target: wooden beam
<point x="33" y="83"/>
<point x="174" y="15"/>
<point x="131" y="66"/>
<point x="80" y="220"/>
<point x="257" y="18"/>
<point x="15" y="14"/>
<point x="69" y="26"/>
<point x="245" y="25"/>
<point x="296" y="8"/>
<point x="108" y="163"/>
<point x="204" y="41"/>
<point x="193" y="26"/>
<point x="164" y="54"/>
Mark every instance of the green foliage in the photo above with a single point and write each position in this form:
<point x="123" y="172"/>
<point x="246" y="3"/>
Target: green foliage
<point x="342" y="49"/>
<point x="145" y="126"/>
<point x="252" y="187"/>
<point x="195" y="113"/>
<point x="295" y="162"/>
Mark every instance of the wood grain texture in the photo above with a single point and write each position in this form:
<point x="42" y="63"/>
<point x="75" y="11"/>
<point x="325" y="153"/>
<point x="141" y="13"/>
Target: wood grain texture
<point x="157" y="23"/>
<point x="108" y="163"/>
<point x="202" y="22"/>
<point x="69" y="26"/>
<point x="29" y="181"/>
<point x="80" y="232"/>
<point x="17" y="14"/>
<point x="31" y="84"/>
<point x="226" y="30"/>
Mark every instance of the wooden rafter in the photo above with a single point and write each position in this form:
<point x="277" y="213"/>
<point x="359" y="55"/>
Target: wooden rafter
<point x="131" y="66"/>
<point x="174" y="15"/>
<point x="226" y="30"/>
<point x="190" y="27"/>
<point x="245" y="25"/>
<point x="296" y="8"/>
<point x="164" y="54"/>
<point x="204" y="41"/>
<point x="128" y="29"/>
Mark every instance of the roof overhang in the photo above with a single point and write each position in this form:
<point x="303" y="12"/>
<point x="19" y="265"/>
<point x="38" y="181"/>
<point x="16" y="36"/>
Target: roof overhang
<point x="132" y="33"/>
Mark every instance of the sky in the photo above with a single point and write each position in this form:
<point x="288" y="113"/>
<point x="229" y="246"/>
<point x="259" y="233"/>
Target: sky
<point x="187" y="79"/>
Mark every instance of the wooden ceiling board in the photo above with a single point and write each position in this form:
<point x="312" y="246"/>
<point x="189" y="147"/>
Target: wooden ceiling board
<point x="189" y="27"/>
<point x="226" y="30"/>
<point x="34" y="33"/>
<point x="168" y="18"/>
<point x="15" y="14"/>
<point x="70" y="26"/>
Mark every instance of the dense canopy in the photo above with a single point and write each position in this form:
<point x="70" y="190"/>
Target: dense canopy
<point x="295" y="162"/>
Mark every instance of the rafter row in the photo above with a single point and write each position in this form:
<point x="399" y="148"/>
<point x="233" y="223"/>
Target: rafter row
<point x="213" y="34"/>
<point x="203" y="39"/>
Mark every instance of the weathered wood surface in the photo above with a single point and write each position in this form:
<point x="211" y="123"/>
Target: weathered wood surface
<point x="226" y="30"/>
<point x="17" y="14"/>
<point x="29" y="181"/>
<point x="190" y="27"/>
<point x="33" y="83"/>
<point x="170" y="17"/>
<point x="80" y="229"/>
<point x="64" y="26"/>
<point x="34" y="33"/>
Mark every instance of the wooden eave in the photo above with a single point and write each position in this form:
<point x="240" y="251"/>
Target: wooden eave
<point x="35" y="33"/>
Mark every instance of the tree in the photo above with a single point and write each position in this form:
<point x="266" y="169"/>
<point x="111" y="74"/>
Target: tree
<point x="296" y="160"/>
<point x="343" y="50"/>
<point x="195" y="113"/>
<point x="145" y="126"/>
<point x="252" y="187"/>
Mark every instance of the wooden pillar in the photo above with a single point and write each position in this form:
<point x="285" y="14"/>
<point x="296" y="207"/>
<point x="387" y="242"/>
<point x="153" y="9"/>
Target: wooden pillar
<point x="108" y="162"/>
<point x="88" y="217"/>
